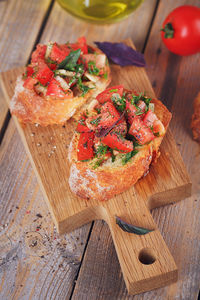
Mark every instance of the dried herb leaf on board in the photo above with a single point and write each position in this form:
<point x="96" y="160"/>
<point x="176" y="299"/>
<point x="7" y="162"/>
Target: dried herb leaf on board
<point x="121" y="54"/>
<point x="131" y="228"/>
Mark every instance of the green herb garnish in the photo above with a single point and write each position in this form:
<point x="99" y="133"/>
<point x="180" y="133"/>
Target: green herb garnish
<point x="83" y="88"/>
<point x="113" y="90"/>
<point x="92" y="69"/>
<point x="70" y="61"/>
<point x="119" y="102"/>
<point x="95" y="121"/>
<point x="105" y="75"/>
<point x="101" y="149"/>
<point x="131" y="228"/>
<point x="126" y="157"/>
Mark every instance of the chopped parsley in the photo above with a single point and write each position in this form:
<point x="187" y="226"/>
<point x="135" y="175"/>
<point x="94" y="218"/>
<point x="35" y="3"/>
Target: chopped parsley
<point x="83" y="88"/>
<point x="135" y="99"/>
<point x="95" y="121"/>
<point x="119" y="102"/>
<point x="126" y="157"/>
<point x="113" y="90"/>
<point x="92" y="68"/>
<point x="101" y="150"/>
<point x="105" y="75"/>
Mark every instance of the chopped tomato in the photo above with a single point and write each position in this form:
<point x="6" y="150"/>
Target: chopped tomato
<point x="80" y="44"/>
<point x="82" y="127"/>
<point x="121" y="128"/>
<point x="44" y="74"/>
<point x="29" y="83"/>
<point x="108" y="116"/>
<point x="85" y="146"/>
<point x="115" y="141"/>
<point x="106" y="95"/>
<point x="149" y="118"/>
<point x="158" y="128"/>
<point x="55" y="90"/>
<point x="142" y="105"/>
<point x="130" y="109"/>
<point x="140" y="131"/>
<point x="39" y="53"/>
<point x="59" y="53"/>
<point x="110" y="109"/>
<point x="29" y="70"/>
<point x="98" y="59"/>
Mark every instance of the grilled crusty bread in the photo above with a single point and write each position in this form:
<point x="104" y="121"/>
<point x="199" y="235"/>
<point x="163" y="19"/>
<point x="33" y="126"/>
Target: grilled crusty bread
<point x="112" y="178"/>
<point x="195" y="123"/>
<point x="32" y="107"/>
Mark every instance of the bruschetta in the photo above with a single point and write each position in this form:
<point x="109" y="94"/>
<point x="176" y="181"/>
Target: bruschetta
<point x="58" y="81"/>
<point x="117" y="138"/>
<point x="195" y="123"/>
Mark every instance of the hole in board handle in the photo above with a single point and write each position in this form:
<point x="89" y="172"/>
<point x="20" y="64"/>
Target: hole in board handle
<point x="146" y="256"/>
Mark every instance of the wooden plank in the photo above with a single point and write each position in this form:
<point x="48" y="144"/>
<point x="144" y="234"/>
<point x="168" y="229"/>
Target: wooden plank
<point x="175" y="80"/>
<point x="14" y="181"/>
<point x="20" y="24"/>
<point x="35" y="262"/>
<point x="70" y="212"/>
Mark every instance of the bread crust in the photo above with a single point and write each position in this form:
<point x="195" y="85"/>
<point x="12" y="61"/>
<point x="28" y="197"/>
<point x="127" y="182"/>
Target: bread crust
<point x="32" y="108"/>
<point x="108" y="180"/>
<point x="195" y="123"/>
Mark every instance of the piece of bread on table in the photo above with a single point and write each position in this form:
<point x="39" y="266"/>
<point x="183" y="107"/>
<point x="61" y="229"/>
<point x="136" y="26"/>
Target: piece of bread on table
<point x="195" y="123"/>
<point x="113" y="175"/>
<point x="58" y="81"/>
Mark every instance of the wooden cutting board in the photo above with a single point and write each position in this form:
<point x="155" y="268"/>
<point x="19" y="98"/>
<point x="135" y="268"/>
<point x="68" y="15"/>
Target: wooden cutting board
<point x="145" y="260"/>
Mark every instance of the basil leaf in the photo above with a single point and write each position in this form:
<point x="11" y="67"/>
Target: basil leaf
<point x="70" y="61"/>
<point x="131" y="228"/>
<point x="126" y="157"/>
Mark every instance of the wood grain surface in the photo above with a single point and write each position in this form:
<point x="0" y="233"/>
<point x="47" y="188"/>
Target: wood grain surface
<point x="176" y="81"/>
<point x="167" y="182"/>
<point x="20" y="25"/>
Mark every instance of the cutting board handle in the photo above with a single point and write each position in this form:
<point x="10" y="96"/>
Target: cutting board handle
<point x="145" y="260"/>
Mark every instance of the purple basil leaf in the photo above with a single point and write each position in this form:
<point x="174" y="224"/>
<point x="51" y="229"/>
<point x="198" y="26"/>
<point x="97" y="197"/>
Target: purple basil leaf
<point x="122" y="54"/>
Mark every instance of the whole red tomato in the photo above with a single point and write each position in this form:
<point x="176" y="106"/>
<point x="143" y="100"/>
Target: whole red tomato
<point x="181" y="30"/>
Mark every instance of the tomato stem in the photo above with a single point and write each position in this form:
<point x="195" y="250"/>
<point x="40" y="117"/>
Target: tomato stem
<point x="168" y="30"/>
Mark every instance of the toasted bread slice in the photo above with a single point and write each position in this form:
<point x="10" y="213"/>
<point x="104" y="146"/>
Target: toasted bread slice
<point x="38" y="104"/>
<point x="112" y="178"/>
<point x="195" y="123"/>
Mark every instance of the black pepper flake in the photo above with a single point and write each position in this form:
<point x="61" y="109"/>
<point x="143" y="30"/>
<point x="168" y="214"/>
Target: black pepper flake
<point x="39" y="215"/>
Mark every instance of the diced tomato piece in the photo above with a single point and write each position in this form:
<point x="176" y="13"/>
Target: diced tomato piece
<point x="59" y="53"/>
<point x="115" y="141"/>
<point x="52" y="66"/>
<point x="142" y="105"/>
<point x="158" y="128"/>
<point x="106" y="95"/>
<point x="55" y="90"/>
<point x="39" y="53"/>
<point x="29" y="70"/>
<point x="44" y="74"/>
<point x="149" y="118"/>
<point x="130" y="109"/>
<point x="82" y="127"/>
<point x="108" y="116"/>
<point x="121" y="128"/>
<point x="98" y="59"/>
<point x="80" y="44"/>
<point x="110" y="109"/>
<point x="29" y="83"/>
<point x="140" y="131"/>
<point x="85" y="146"/>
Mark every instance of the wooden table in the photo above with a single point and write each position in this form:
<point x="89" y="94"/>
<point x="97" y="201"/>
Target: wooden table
<point x="37" y="263"/>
